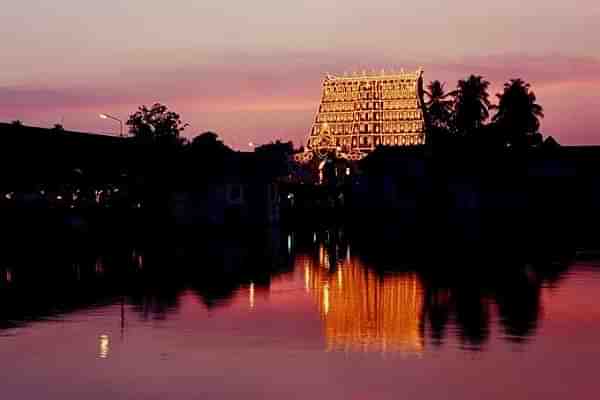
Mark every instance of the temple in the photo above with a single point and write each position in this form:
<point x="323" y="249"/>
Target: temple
<point x="360" y="112"/>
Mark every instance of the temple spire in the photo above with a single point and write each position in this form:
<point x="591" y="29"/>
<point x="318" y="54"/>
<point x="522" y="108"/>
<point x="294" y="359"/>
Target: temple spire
<point x="371" y="115"/>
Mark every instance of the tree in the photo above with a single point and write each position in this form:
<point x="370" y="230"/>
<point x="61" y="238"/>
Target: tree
<point x="276" y="156"/>
<point x="471" y="104"/>
<point x="439" y="106"/>
<point x="156" y="166"/>
<point x="207" y="155"/>
<point x="550" y="143"/>
<point x="277" y="148"/>
<point x="156" y="125"/>
<point x="209" y="142"/>
<point x="517" y="113"/>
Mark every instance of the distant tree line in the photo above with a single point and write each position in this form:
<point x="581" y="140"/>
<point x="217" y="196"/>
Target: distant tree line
<point x="158" y="125"/>
<point x="463" y="114"/>
<point x="165" y="159"/>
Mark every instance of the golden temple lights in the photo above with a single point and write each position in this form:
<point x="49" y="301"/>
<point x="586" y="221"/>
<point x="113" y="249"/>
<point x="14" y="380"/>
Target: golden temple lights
<point x="363" y="311"/>
<point x="326" y="298"/>
<point x="359" y="112"/>
<point x="104" y="348"/>
<point x="307" y="277"/>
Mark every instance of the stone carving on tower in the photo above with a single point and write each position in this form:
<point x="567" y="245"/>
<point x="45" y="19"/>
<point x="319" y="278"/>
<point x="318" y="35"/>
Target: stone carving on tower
<point x="360" y="112"/>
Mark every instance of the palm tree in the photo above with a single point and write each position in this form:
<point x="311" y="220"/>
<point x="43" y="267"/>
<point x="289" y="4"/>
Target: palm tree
<point x="517" y="112"/>
<point x="439" y="106"/>
<point x="471" y="104"/>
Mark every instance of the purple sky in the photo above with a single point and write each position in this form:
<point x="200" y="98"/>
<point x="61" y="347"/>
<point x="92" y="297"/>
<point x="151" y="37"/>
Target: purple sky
<point x="252" y="71"/>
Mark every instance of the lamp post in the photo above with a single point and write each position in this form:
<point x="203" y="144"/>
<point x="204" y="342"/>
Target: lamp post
<point x="108" y="116"/>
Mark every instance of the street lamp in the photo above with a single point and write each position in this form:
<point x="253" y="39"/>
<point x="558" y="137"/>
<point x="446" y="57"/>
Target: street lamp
<point x="108" y="116"/>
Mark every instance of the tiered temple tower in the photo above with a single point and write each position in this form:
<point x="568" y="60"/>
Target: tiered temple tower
<point x="362" y="111"/>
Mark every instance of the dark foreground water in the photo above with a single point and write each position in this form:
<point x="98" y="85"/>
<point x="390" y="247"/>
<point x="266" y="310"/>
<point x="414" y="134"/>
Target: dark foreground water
<point x="293" y="319"/>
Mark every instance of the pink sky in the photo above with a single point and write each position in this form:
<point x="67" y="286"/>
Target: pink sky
<point x="252" y="71"/>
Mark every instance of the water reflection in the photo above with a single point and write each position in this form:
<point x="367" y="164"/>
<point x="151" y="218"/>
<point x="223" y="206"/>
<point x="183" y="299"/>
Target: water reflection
<point x="471" y="301"/>
<point x="363" y="311"/>
<point x="203" y="309"/>
<point x="104" y="346"/>
<point x="59" y="277"/>
<point x="366" y="303"/>
<point x="251" y="295"/>
<point x="370" y="303"/>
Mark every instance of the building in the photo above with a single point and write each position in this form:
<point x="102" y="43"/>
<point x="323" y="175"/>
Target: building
<point x="243" y="191"/>
<point x="34" y="155"/>
<point x="234" y="201"/>
<point x="362" y="111"/>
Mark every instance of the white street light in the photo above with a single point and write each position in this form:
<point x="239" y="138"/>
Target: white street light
<point x="108" y="116"/>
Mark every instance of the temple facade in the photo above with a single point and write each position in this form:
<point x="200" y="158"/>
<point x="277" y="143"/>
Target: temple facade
<point x="362" y="111"/>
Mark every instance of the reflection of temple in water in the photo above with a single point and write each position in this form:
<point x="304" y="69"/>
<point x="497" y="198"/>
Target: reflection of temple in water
<point x="364" y="311"/>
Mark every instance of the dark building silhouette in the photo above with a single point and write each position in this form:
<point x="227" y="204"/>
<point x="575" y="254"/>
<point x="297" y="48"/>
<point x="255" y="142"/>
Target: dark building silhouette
<point x="39" y="155"/>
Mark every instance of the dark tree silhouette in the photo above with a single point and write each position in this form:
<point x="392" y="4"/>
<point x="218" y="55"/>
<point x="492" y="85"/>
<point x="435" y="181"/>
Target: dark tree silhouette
<point x="550" y="143"/>
<point x="207" y="155"/>
<point x="439" y="106"/>
<point x="277" y="148"/>
<point x="471" y="104"/>
<point x="517" y="113"/>
<point x="17" y="122"/>
<point x="156" y="124"/>
<point x="277" y="156"/>
<point x="209" y="142"/>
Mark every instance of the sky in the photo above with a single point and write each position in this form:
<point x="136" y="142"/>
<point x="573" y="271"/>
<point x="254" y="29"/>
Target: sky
<point x="252" y="70"/>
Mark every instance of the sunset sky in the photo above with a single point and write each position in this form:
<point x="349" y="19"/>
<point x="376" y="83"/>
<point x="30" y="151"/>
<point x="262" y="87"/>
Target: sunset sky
<point x="252" y="70"/>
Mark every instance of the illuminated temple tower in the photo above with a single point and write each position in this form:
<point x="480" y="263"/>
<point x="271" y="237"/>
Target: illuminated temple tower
<point x="360" y="112"/>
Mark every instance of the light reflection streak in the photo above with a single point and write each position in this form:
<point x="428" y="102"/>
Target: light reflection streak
<point x="326" y="299"/>
<point x="138" y="260"/>
<point x="99" y="268"/>
<point x="251" y="295"/>
<point x="322" y="255"/>
<point x="104" y="346"/>
<point x="307" y="276"/>
<point x="363" y="311"/>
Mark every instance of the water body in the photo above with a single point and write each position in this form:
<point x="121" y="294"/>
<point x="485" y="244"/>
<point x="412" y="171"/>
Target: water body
<point x="308" y="317"/>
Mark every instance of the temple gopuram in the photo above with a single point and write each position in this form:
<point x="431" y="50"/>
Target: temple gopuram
<point x="362" y="111"/>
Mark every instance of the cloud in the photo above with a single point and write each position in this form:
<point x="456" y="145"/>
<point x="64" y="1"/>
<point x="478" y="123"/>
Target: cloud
<point x="26" y="98"/>
<point x="262" y="94"/>
<point x="540" y="70"/>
